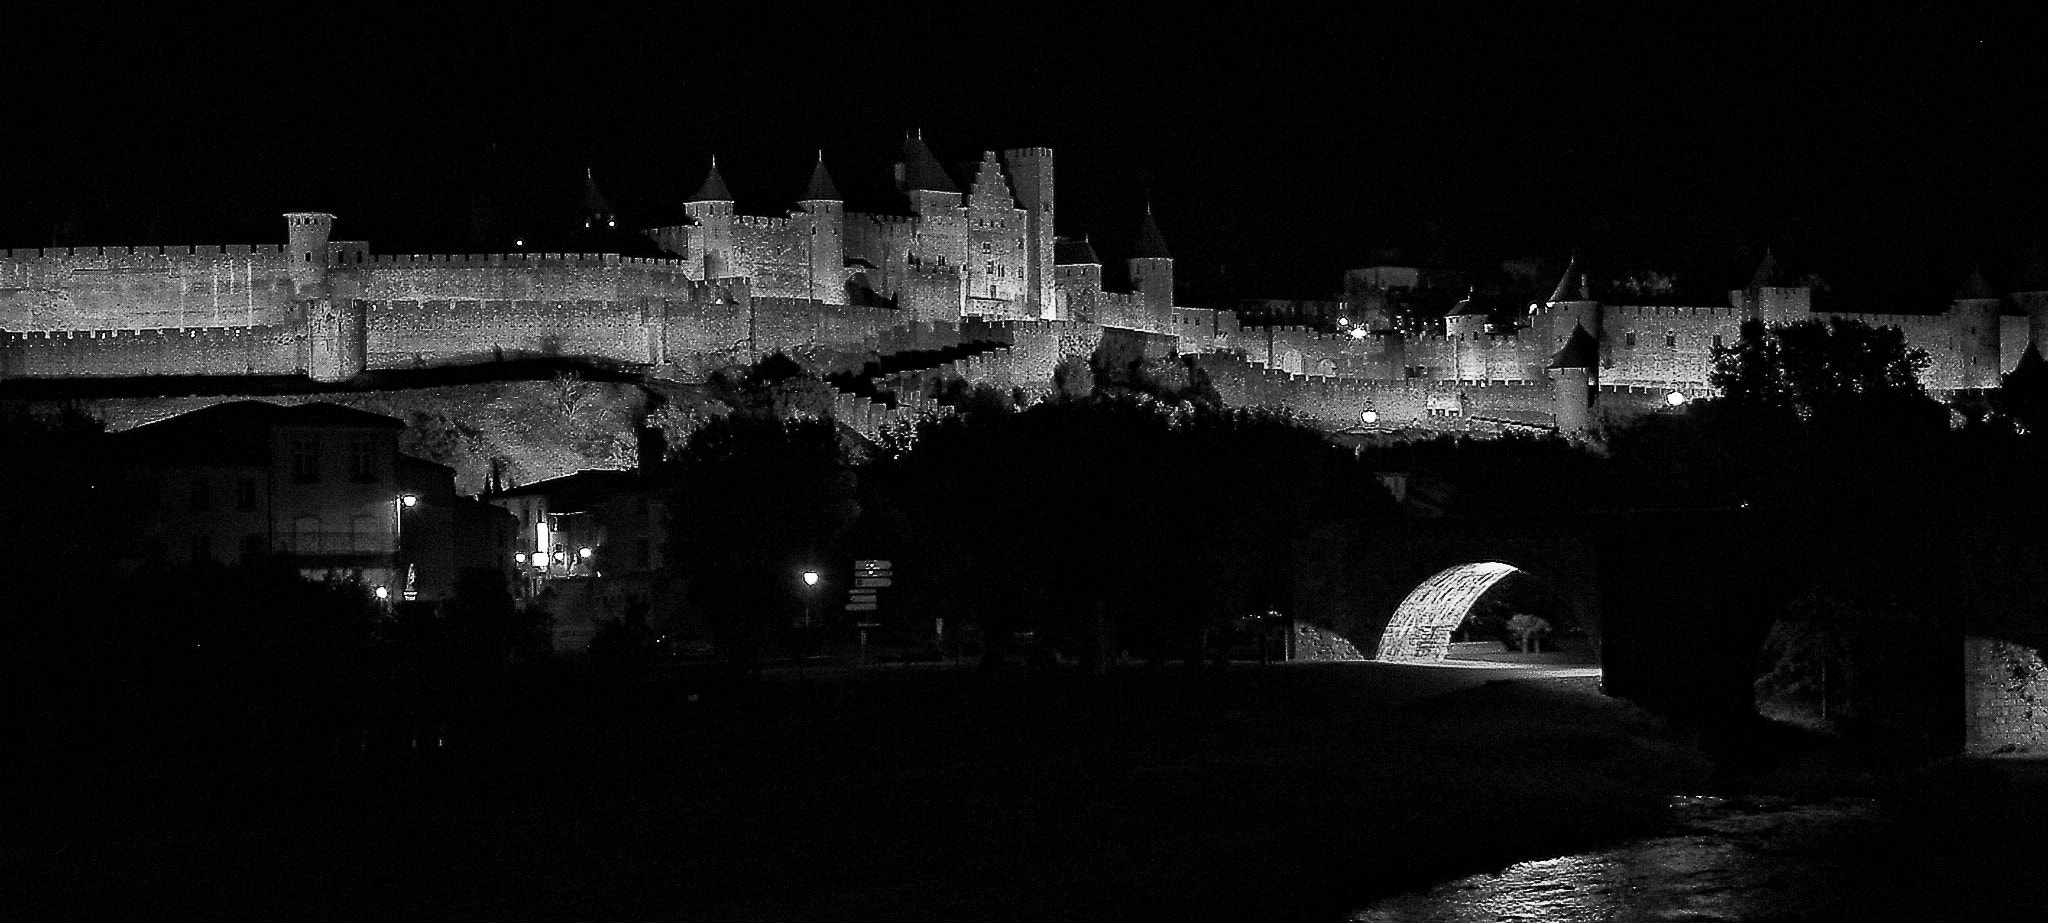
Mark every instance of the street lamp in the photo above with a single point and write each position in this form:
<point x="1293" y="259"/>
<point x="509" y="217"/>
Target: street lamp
<point x="810" y="581"/>
<point x="399" y="505"/>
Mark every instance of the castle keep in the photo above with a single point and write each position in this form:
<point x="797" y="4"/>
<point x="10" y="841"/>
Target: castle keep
<point x="835" y="288"/>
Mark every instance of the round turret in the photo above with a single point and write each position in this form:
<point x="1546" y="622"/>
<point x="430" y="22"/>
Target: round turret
<point x="1974" y="316"/>
<point x="306" y="236"/>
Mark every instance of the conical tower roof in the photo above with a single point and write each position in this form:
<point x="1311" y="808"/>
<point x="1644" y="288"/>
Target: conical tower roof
<point x="1581" y="351"/>
<point x="1975" y="287"/>
<point x="921" y="170"/>
<point x="1068" y="251"/>
<point x="594" y="204"/>
<point x="1151" y="243"/>
<point x="1563" y="291"/>
<point x="1767" y="274"/>
<point x="821" y="188"/>
<point x="713" y="189"/>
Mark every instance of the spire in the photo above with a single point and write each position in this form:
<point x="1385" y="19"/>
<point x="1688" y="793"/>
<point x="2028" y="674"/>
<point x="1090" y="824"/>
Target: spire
<point x="921" y="171"/>
<point x="1579" y="352"/>
<point x="1767" y="274"/>
<point x="596" y="211"/>
<point x="713" y="189"/>
<point x="1975" y="286"/>
<point x="1563" y="292"/>
<point x="1151" y="243"/>
<point x="821" y="188"/>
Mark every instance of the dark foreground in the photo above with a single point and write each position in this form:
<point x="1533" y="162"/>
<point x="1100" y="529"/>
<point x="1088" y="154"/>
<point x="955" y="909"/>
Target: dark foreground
<point x="1291" y="792"/>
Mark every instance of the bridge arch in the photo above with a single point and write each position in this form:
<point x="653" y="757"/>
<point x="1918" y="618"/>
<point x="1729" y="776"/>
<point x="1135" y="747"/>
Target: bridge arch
<point x="1423" y="625"/>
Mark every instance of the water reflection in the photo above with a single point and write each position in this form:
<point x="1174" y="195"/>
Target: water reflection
<point x="1729" y="861"/>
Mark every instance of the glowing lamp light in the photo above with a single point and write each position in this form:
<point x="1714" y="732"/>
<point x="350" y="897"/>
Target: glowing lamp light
<point x="1675" y="398"/>
<point x="1369" y="417"/>
<point x="1358" y="333"/>
<point x="1343" y="322"/>
<point x="409" y="500"/>
<point x="810" y="578"/>
<point x="519" y="243"/>
<point x="519" y="556"/>
<point x="382" y="592"/>
<point x="583" y="552"/>
<point x="561" y="558"/>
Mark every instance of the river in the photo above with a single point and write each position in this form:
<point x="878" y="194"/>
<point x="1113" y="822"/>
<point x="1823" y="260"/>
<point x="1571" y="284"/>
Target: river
<point x="1754" y="859"/>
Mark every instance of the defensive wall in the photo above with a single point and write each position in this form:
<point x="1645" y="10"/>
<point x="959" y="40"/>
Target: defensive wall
<point x="115" y="288"/>
<point x="267" y="349"/>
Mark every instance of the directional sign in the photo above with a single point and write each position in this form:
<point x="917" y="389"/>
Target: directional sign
<point x="872" y="581"/>
<point x="862" y="595"/>
<point x="860" y="607"/>
<point x="872" y="565"/>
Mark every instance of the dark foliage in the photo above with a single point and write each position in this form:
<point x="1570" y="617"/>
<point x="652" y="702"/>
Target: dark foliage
<point x="1117" y="521"/>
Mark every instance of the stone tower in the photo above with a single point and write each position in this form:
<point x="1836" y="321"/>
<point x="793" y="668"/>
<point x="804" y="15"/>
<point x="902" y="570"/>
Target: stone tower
<point x="826" y="212"/>
<point x="932" y="192"/>
<point x="1465" y="325"/>
<point x="710" y="209"/>
<point x="1574" y="374"/>
<point x="306" y="236"/>
<point x="1571" y="306"/>
<point x="1152" y="269"/>
<point x="1974" y="315"/>
<point x="1770" y="298"/>
<point x="1031" y="177"/>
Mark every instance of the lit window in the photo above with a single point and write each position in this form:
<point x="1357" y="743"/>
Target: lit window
<point x="1670" y="339"/>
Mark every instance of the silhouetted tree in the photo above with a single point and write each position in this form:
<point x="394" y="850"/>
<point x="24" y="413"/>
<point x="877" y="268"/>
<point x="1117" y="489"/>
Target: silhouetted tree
<point x="1812" y="368"/>
<point x="757" y="497"/>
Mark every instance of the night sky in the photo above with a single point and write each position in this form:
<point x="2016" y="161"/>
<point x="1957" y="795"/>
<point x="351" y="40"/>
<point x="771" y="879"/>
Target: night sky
<point x="1277" y="150"/>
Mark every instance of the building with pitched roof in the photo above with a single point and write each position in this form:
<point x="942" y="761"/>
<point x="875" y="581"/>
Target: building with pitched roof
<point x="320" y="487"/>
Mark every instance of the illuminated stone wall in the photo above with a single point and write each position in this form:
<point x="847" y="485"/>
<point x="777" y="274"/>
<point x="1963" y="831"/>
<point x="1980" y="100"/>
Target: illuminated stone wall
<point x="2005" y="694"/>
<point x="123" y="288"/>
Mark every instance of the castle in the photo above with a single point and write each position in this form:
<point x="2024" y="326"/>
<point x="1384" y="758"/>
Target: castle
<point x="836" y="288"/>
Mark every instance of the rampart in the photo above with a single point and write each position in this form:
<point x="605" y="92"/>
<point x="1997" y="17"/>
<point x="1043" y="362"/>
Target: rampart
<point x="129" y="288"/>
<point x="257" y="350"/>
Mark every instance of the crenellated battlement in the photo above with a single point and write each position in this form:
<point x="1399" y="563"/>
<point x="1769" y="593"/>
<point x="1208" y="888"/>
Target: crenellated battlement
<point x="479" y="260"/>
<point x="138" y="333"/>
<point x="127" y="253"/>
<point x="765" y="223"/>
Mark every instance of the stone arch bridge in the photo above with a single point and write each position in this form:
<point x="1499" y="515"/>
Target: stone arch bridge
<point x="1678" y="603"/>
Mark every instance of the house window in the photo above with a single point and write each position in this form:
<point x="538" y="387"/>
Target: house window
<point x="362" y="461"/>
<point x="245" y="494"/>
<point x="1717" y="341"/>
<point x="1631" y="338"/>
<point x="306" y="459"/>
<point x="202" y="497"/>
<point x="202" y="548"/>
<point x="1670" y="339"/>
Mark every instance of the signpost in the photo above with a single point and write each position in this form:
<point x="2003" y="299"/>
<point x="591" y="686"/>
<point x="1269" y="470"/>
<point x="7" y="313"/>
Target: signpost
<point x="869" y="577"/>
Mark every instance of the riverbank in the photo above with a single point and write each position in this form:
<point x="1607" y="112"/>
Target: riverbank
<point x="1291" y="792"/>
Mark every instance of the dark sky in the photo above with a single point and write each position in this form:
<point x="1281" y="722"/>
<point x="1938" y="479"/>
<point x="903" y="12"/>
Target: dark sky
<point x="1277" y="150"/>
